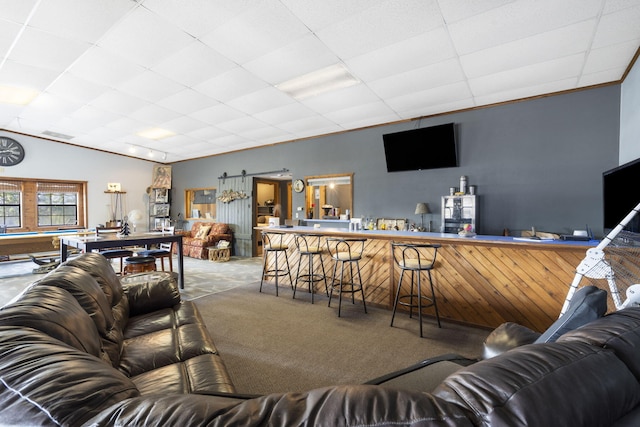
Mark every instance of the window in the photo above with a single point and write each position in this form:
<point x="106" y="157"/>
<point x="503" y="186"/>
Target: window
<point x="200" y="203"/>
<point x="30" y="205"/>
<point x="57" y="204"/>
<point x="10" y="196"/>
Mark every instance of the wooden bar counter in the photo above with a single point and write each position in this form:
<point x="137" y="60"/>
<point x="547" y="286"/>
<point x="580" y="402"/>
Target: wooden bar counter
<point x="481" y="280"/>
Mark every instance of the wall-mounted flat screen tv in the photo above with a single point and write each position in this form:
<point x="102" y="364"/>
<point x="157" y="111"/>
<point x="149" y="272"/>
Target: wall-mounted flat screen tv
<point x="425" y="148"/>
<point x="621" y="193"/>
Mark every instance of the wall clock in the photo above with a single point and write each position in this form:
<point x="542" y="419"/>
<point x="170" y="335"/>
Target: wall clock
<point x="11" y="151"/>
<point x="298" y="186"/>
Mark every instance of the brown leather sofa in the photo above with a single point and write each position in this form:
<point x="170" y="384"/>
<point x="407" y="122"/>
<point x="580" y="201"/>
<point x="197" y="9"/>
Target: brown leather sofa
<point x="78" y="348"/>
<point x="203" y="235"/>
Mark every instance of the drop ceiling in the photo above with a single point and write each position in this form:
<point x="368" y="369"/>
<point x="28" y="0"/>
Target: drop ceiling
<point x="209" y="71"/>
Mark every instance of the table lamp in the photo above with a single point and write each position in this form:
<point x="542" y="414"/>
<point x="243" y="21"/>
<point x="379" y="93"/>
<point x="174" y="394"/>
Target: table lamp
<point x="421" y="209"/>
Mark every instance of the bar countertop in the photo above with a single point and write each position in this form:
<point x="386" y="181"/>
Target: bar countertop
<point x="431" y="236"/>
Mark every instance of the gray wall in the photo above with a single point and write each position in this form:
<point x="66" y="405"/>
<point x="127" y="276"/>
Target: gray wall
<point x="630" y="116"/>
<point x="535" y="163"/>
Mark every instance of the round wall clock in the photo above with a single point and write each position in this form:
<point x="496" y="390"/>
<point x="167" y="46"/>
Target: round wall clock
<point x="11" y="151"/>
<point x="298" y="185"/>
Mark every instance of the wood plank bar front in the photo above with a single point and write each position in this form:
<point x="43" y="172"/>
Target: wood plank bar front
<point x="483" y="281"/>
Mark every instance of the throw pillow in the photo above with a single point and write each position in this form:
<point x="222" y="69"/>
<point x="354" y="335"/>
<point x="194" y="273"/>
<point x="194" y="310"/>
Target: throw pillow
<point x="203" y="232"/>
<point x="587" y="304"/>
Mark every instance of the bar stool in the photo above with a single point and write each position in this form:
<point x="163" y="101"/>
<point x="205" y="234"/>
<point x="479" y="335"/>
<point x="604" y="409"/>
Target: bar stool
<point x="273" y="242"/>
<point x="415" y="258"/>
<point x="309" y="245"/>
<point x="346" y="251"/>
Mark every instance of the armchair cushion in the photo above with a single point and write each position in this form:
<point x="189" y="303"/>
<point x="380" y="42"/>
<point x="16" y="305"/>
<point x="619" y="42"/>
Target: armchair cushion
<point x="203" y="232"/>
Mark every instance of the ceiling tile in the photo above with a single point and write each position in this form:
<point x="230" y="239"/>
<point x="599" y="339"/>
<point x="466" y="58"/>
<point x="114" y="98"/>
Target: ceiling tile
<point x="378" y="25"/>
<point x="518" y="20"/>
<point x="154" y="115"/>
<point x="295" y="59"/>
<point x="415" y="52"/>
<point x="286" y="113"/>
<point x="184" y="125"/>
<point x="533" y="75"/>
<point x="601" y="59"/>
<point x="144" y="38"/>
<point x="45" y="50"/>
<point x="241" y="124"/>
<point x="193" y="64"/>
<point x="259" y="30"/>
<point x="103" y="67"/>
<point x="443" y="73"/>
<point x="541" y="47"/>
<point x="423" y="101"/>
<point x="73" y="88"/>
<point x="217" y="114"/>
<point x="27" y="76"/>
<point x="319" y="14"/>
<point x="618" y="27"/>
<point x="150" y="86"/>
<point x="261" y="100"/>
<point x="16" y="11"/>
<point x="363" y="115"/>
<point x="231" y="85"/>
<point x="118" y="102"/>
<point x="80" y="19"/>
<point x="187" y="101"/>
<point x="340" y="99"/>
<point x="457" y="10"/>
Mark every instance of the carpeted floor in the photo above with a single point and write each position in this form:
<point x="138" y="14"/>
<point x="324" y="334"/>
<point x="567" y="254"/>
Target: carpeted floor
<point x="278" y="344"/>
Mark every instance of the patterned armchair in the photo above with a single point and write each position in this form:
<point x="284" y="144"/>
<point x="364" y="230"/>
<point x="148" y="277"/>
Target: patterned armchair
<point x="203" y="235"/>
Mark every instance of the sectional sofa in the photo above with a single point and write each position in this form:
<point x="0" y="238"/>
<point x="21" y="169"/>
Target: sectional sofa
<point x="82" y="347"/>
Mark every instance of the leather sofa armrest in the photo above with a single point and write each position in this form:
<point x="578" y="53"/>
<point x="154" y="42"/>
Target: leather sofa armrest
<point x="149" y="292"/>
<point x="505" y="337"/>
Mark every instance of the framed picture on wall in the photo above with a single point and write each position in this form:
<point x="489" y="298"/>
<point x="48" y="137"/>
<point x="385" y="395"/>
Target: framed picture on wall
<point x="162" y="195"/>
<point x="161" y="177"/>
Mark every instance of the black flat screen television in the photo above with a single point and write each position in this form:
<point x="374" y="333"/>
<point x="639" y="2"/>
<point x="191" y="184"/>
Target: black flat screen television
<point x="425" y="148"/>
<point x="621" y="193"/>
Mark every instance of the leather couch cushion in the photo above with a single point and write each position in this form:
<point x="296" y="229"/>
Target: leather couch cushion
<point x="618" y="331"/>
<point x="167" y="346"/>
<point x="55" y="312"/>
<point x="505" y="337"/>
<point x="101" y="270"/>
<point x="536" y="385"/>
<point x="150" y="292"/>
<point x="86" y="291"/>
<point x="46" y="382"/>
<point x="180" y="314"/>
<point x="201" y="374"/>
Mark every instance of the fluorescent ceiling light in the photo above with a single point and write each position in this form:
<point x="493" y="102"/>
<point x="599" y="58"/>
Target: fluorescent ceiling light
<point x="327" y="79"/>
<point x="155" y="133"/>
<point x="17" y="95"/>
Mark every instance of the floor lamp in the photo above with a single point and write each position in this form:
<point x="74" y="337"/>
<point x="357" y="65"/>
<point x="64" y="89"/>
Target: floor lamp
<point x="421" y="209"/>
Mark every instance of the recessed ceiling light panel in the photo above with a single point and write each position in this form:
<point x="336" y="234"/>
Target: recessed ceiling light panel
<point x="155" y="133"/>
<point x="317" y="82"/>
<point x="17" y="95"/>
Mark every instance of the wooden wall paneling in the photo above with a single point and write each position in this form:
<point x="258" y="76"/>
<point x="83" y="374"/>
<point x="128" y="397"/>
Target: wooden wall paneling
<point x="477" y="282"/>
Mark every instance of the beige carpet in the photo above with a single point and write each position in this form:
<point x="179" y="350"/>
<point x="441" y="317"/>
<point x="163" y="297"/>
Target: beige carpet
<point x="278" y="344"/>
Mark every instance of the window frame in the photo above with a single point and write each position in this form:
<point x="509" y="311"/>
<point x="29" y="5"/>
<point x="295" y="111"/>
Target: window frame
<point x="29" y="206"/>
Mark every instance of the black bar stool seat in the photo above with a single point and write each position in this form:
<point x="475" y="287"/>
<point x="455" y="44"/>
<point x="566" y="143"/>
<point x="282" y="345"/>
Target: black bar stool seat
<point x="416" y="259"/>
